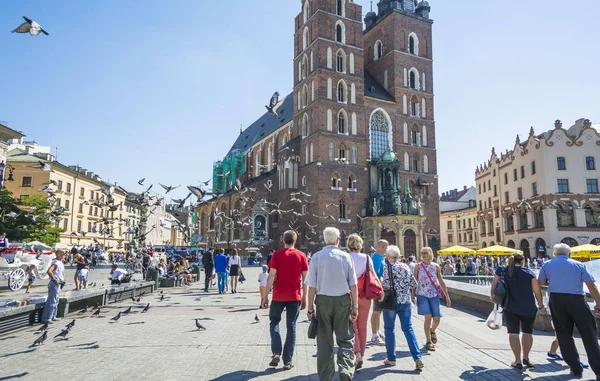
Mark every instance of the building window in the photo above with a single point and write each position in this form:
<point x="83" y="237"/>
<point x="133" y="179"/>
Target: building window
<point x="561" y="163"/>
<point x="341" y="61"/>
<point x="506" y="197"/>
<point x="80" y="208"/>
<point x="330" y="153"/>
<point x="91" y="210"/>
<point x="79" y="223"/>
<point x="305" y="38"/>
<point x="60" y="184"/>
<point x="304" y="134"/>
<point x="339" y="32"/>
<point x="26" y="183"/>
<point x="592" y="185"/>
<point x="378" y="50"/>
<point x="480" y="206"/>
<point x="563" y="185"/>
<point x="414" y="107"/>
<point x="458" y="225"/>
<point x="450" y="238"/>
<point x="479" y="188"/>
<point x="82" y="192"/>
<point x="340" y="7"/>
<point x="351" y="182"/>
<point x="336" y="182"/>
<point x="509" y="222"/>
<point x="342" y="123"/>
<point x="341" y="92"/>
<point x="534" y="189"/>
<point x="303" y="181"/>
<point x="589" y="163"/>
<point x="494" y="172"/>
<point x="449" y="225"/>
<point x="354" y="154"/>
<point x="484" y="187"/>
<point x="533" y="167"/>
<point x="413" y="44"/>
<point x="342" y="155"/>
<point x="565" y="216"/>
<point x="538" y="219"/>
<point x="68" y="187"/>
<point x="412" y="81"/>
<point x="523" y="221"/>
<point x="592" y="217"/>
<point x="522" y="171"/>
<point x="305" y="11"/>
<point x="379" y="134"/>
<point x="67" y="204"/>
<point x="304" y="96"/>
<point x="497" y="212"/>
<point x="519" y="193"/>
<point x="515" y="177"/>
<point x="495" y="191"/>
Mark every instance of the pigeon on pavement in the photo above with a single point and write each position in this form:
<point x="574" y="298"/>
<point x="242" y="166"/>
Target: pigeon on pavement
<point x="70" y="325"/>
<point x="127" y="311"/>
<point x="97" y="313"/>
<point x="44" y="327"/>
<point x="256" y="319"/>
<point x="116" y="318"/>
<point x="63" y="333"/>
<point x="146" y="308"/>
<point x="199" y="326"/>
<point x="40" y="340"/>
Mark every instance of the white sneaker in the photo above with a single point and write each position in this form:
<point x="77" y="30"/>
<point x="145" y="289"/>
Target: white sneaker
<point x="376" y="340"/>
<point x="381" y="335"/>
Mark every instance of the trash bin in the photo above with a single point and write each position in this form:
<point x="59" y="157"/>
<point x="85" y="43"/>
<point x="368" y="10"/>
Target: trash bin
<point x="152" y="275"/>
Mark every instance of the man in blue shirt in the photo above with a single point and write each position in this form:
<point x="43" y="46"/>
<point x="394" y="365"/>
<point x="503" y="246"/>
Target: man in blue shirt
<point x="378" y="259"/>
<point x="565" y="278"/>
<point x="221" y="268"/>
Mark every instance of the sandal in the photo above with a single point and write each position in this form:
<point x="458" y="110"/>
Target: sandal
<point x="528" y="364"/>
<point x="274" y="360"/>
<point x="517" y="365"/>
<point x="433" y="337"/>
<point x="288" y="366"/>
<point x="359" y="363"/>
<point x="430" y="347"/>
<point x="389" y="363"/>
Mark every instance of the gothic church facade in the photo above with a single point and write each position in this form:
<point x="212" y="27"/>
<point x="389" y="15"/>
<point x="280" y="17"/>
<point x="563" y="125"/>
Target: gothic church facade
<point x="353" y="146"/>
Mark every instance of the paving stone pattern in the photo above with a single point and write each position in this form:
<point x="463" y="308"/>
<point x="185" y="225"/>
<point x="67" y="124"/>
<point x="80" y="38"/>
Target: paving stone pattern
<point x="164" y="344"/>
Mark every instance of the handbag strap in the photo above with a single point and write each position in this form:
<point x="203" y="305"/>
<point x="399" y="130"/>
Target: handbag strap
<point x="367" y="274"/>
<point x="391" y="272"/>
<point x="429" y="276"/>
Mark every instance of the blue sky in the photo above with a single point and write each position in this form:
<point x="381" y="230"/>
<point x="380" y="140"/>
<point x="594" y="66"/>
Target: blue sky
<point x="157" y="89"/>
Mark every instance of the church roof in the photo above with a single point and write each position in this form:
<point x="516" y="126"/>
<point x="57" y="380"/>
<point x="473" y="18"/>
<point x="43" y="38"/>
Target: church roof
<point x="265" y="125"/>
<point x="374" y="90"/>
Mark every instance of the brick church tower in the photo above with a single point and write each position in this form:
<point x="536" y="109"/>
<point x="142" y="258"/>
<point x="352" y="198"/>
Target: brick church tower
<point x="329" y="111"/>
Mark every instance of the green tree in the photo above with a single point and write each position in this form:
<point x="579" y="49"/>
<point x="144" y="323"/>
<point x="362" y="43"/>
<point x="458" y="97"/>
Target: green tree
<point x="27" y="219"/>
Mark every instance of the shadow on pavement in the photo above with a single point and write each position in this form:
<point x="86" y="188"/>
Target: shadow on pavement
<point x="18" y="353"/>
<point x="372" y="373"/>
<point x="19" y="375"/>
<point x="248" y="375"/>
<point x="244" y="309"/>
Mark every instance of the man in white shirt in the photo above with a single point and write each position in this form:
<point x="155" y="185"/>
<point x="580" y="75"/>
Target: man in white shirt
<point x="117" y="275"/>
<point x="56" y="273"/>
<point x="331" y="278"/>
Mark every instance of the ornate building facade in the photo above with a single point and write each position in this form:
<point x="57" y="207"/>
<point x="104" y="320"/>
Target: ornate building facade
<point x="543" y="191"/>
<point x="353" y="146"/>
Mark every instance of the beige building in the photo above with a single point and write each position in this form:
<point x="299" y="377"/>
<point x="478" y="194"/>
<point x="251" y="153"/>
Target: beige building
<point x="458" y="218"/>
<point x="543" y="191"/>
<point x="6" y="135"/>
<point x="75" y="189"/>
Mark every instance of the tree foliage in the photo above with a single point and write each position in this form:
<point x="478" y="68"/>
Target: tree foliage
<point x="27" y="219"/>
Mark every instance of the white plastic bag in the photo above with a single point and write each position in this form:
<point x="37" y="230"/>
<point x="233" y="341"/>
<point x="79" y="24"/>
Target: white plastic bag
<point x="494" y="321"/>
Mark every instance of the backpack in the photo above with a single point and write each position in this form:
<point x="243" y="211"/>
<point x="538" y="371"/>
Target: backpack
<point x="462" y="270"/>
<point x="501" y="291"/>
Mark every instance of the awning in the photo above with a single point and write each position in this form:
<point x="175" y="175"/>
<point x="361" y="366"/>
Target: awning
<point x="497" y="250"/>
<point x="587" y="251"/>
<point x="456" y="250"/>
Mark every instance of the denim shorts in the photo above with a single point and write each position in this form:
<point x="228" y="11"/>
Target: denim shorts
<point x="82" y="278"/>
<point x="429" y="306"/>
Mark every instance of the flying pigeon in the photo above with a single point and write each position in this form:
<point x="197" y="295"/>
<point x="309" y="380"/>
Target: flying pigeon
<point x="127" y="311"/>
<point x="146" y="308"/>
<point x="40" y="340"/>
<point x="43" y="166"/>
<point x="63" y="333"/>
<point x="31" y="27"/>
<point x="71" y="324"/>
<point x="271" y="107"/>
<point x="256" y="319"/>
<point x="141" y="182"/>
<point x="116" y="318"/>
<point x="206" y="182"/>
<point x="200" y="326"/>
<point x="168" y="188"/>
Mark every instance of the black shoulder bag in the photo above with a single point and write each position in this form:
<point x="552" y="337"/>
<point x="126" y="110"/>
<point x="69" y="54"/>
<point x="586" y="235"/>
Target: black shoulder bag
<point x="501" y="291"/>
<point x="389" y="299"/>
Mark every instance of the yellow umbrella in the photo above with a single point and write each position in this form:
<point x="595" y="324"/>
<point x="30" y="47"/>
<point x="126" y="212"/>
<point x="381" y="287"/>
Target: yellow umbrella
<point x="586" y="251"/>
<point x="456" y="250"/>
<point x="497" y="250"/>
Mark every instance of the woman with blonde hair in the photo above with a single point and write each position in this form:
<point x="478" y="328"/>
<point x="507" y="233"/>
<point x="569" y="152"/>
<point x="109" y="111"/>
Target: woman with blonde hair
<point x="430" y="288"/>
<point x="362" y="264"/>
<point x="235" y="269"/>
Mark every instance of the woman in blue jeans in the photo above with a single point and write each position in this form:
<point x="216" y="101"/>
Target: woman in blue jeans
<point x="399" y="276"/>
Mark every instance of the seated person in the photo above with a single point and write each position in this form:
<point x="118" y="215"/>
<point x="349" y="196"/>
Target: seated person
<point x="185" y="274"/>
<point x="118" y="275"/>
<point x="162" y="269"/>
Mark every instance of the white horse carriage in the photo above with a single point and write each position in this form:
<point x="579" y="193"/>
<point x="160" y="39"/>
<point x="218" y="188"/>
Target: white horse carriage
<point x="14" y="265"/>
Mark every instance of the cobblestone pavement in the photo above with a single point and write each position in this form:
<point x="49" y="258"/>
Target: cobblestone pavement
<point x="164" y="344"/>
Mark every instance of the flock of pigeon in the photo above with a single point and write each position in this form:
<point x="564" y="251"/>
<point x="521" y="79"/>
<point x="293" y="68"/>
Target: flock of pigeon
<point x="96" y="313"/>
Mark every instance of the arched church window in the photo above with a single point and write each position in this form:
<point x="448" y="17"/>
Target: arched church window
<point x="379" y="134"/>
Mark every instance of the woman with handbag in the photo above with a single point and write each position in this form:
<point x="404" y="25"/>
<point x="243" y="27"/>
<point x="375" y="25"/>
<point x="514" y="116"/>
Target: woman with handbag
<point x="369" y="288"/>
<point x="235" y="269"/>
<point x="521" y="310"/>
<point x="399" y="290"/>
<point x="430" y="289"/>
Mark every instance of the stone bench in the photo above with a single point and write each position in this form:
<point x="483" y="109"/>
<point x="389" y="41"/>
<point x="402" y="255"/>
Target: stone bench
<point x="117" y="293"/>
<point x="71" y="301"/>
<point x="12" y="317"/>
<point x="170" y="282"/>
<point x="477" y="298"/>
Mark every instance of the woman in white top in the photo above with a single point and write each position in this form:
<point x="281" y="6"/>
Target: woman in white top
<point x="235" y="269"/>
<point x="354" y="243"/>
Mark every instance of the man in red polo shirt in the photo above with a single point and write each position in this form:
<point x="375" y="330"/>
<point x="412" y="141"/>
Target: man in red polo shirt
<point x="288" y="272"/>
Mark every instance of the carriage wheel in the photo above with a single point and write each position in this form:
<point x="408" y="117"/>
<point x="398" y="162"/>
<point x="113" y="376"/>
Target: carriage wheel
<point x="16" y="279"/>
